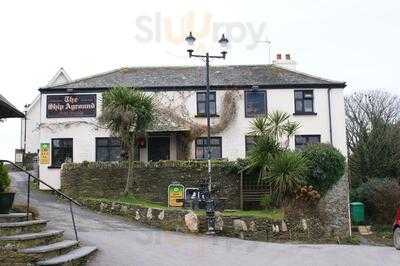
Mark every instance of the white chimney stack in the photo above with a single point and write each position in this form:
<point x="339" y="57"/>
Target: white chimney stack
<point x="285" y="60"/>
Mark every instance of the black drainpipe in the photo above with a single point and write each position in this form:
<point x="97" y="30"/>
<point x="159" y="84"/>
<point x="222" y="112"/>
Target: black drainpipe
<point x="330" y="115"/>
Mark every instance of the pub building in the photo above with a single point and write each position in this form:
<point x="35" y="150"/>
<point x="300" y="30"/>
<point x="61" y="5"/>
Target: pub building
<point x="61" y="123"/>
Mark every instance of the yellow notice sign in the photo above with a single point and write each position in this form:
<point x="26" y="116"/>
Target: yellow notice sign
<point x="44" y="153"/>
<point x="176" y="195"/>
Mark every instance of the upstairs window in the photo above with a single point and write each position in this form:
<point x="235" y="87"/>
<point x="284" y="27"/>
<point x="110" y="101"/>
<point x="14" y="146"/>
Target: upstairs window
<point x="255" y="103"/>
<point x="202" y="104"/>
<point x="215" y="147"/>
<point x="302" y="140"/>
<point x="304" y="101"/>
<point x="108" y="149"/>
<point x="61" y="151"/>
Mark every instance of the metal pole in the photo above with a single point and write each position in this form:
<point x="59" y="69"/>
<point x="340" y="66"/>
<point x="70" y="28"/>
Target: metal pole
<point x="208" y="120"/>
<point x="28" y="198"/>
<point x="73" y="220"/>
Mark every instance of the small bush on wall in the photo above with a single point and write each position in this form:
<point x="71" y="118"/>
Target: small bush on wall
<point x="4" y="178"/>
<point x="381" y="198"/>
<point x="326" y="166"/>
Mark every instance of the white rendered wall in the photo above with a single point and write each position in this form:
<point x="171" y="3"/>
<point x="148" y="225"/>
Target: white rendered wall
<point x="32" y="128"/>
<point x="233" y="137"/>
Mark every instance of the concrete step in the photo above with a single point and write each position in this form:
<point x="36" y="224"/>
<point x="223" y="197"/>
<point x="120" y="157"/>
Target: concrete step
<point x="51" y="250"/>
<point x="13" y="217"/>
<point x="76" y="257"/>
<point x="32" y="239"/>
<point x="15" y="228"/>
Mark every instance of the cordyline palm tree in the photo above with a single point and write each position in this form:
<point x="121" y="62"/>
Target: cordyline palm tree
<point x="127" y="113"/>
<point x="278" y="166"/>
<point x="286" y="175"/>
<point x="275" y="124"/>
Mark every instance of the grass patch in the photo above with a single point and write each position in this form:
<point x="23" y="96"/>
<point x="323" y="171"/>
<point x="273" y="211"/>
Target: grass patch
<point x="272" y="214"/>
<point x="131" y="199"/>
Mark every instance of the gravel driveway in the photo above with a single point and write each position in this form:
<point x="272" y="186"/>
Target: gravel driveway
<point x="122" y="242"/>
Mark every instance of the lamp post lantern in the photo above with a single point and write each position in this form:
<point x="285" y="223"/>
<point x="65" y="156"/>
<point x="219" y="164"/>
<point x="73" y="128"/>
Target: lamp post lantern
<point x="206" y="190"/>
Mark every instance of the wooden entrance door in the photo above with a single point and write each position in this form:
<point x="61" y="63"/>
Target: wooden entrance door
<point x="159" y="148"/>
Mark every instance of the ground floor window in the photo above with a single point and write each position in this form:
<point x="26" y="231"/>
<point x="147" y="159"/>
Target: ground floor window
<point x="302" y="140"/>
<point x="108" y="149"/>
<point x="250" y="142"/>
<point x="215" y="146"/>
<point x="61" y="151"/>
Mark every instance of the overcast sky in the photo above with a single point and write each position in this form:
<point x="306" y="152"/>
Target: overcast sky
<point x="347" y="40"/>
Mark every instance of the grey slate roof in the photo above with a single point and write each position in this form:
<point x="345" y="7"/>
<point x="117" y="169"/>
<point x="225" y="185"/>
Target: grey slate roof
<point x="7" y="110"/>
<point x="194" y="76"/>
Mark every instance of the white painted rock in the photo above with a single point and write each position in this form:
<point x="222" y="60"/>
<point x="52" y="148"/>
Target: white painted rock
<point x="161" y="215"/>
<point x="275" y="228"/>
<point x="219" y="222"/>
<point x="284" y="226"/>
<point x="191" y="221"/>
<point x="149" y="214"/>
<point x="103" y="206"/>
<point x="304" y="224"/>
<point x="239" y="225"/>
<point x="137" y="216"/>
<point x="252" y="226"/>
<point x="124" y="209"/>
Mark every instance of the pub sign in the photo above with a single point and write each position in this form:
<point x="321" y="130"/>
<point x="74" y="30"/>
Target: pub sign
<point x="80" y="105"/>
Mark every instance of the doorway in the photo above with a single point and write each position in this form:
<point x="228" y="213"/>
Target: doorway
<point x="159" y="148"/>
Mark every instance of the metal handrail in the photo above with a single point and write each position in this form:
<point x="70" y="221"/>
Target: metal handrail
<point x="52" y="189"/>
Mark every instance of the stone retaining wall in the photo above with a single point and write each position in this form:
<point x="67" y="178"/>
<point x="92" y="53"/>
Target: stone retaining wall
<point x="98" y="179"/>
<point x="308" y="229"/>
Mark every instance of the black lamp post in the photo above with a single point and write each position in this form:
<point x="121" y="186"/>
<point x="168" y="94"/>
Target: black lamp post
<point x="206" y="190"/>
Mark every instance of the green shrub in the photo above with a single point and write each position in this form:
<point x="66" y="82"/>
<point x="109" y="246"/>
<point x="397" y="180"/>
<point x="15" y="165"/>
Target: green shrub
<point x="381" y="198"/>
<point x="326" y="166"/>
<point x="4" y="178"/>
<point x="266" y="201"/>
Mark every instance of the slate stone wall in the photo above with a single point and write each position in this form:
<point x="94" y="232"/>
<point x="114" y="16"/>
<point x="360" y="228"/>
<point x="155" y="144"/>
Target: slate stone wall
<point x="333" y="209"/>
<point x="307" y="229"/>
<point x="96" y="179"/>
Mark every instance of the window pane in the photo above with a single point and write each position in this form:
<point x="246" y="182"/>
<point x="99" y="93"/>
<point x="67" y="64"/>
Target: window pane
<point x="255" y="103"/>
<point x="212" y="108"/>
<point x="199" y="153"/>
<point x="314" y="139"/>
<point x="61" y="151"/>
<point x="300" y="140"/>
<point x="212" y="96"/>
<point x="56" y="143"/>
<point x="199" y="141"/>
<point x="215" y="152"/>
<point x="115" y="142"/>
<point x="115" y="154"/>
<point x="201" y="96"/>
<point x="215" y="141"/>
<point x="249" y="145"/>
<point x="101" y="141"/>
<point x="308" y="94"/>
<point x="299" y="106"/>
<point x="102" y="154"/>
<point x="298" y="94"/>
<point x="201" y="108"/>
<point x="308" y="106"/>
